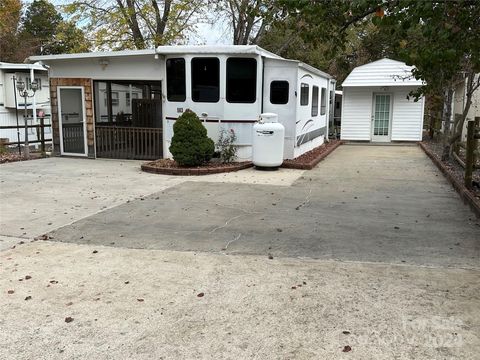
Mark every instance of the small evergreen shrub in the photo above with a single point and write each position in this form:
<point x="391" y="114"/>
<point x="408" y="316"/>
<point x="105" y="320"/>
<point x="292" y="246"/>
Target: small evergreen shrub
<point x="190" y="144"/>
<point x="225" y="145"/>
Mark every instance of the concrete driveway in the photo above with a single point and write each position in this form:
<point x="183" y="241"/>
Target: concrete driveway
<point x="371" y="255"/>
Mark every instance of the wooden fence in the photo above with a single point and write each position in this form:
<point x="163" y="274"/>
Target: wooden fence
<point x="39" y="138"/>
<point x="129" y="142"/>
<point x="471" y="150"/>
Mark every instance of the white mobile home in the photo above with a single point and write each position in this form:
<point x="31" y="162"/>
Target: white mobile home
<point x="375" y="104"/>
<point x="124" y="104"/>
<point x="11" y="104"/>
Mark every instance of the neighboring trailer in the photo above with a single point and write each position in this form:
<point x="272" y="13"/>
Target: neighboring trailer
<point x="123" y="95"/>
<point x="12" y="103"/>
<point x="376" y="105"/>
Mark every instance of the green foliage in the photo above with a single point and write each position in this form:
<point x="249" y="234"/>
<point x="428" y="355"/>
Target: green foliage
<point x="48" y="33"/>
<point x="41" y="20"/>
<point x="41" y="30"/>
<point x="190" y="144"/>
<point x="226" y="147"/>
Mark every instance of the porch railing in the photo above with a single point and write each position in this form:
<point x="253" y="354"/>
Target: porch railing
<point x="129" y="142"/>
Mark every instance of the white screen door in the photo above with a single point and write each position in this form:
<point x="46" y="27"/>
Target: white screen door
<point x="381" y="117"/>
<point x="72" y="121"/>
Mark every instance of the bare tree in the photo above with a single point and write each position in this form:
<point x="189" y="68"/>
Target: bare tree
<point x="123" y="24"/>
<point x="248" y="19"/>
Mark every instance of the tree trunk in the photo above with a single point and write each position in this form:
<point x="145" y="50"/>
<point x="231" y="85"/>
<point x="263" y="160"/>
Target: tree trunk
<point x="446" y="116"/>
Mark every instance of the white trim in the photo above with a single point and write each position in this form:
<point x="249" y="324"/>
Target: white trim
<point x="381" y="138"/>
<point x="98" y="54"/>
<point x="59" y="110"/>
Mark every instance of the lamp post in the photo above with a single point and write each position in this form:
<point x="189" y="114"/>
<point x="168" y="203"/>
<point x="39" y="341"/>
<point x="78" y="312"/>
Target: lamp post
<point x="24" y="92"/>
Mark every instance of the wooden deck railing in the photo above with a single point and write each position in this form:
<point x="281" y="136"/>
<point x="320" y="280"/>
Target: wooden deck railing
<point x="129" y="142"/>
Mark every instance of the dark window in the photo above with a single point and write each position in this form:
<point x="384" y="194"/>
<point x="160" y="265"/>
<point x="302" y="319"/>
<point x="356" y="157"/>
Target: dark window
<point x="176" y="79"/>
<point x="323" y="103"/>
<point x="279" y="92"/>
<point x="241" y="80"/>
<point x="304" y="94"/>
<point x="315" y="101"/>
<point x="205" y="79"/>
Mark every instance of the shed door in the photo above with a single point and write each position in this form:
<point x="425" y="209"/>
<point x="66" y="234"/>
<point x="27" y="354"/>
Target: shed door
<point x="381" y="117"/>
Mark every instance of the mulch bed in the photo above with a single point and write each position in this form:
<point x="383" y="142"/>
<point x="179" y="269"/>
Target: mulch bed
<point x="311" y="158"/>
<point x="170" y="167"/>
<point x="454" y="174"/>
<point x="13" y="157"/>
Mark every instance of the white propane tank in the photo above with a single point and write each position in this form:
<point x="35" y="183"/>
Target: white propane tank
<point x="268" y="141"/>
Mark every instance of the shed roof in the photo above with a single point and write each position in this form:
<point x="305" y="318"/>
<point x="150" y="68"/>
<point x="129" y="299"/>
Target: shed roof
<point x="384" y="72"/>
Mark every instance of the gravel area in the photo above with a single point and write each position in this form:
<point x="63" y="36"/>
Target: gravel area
<point x="455" y="169"/>
<point x="12" y="157"/>
<point x="172" y="164"/>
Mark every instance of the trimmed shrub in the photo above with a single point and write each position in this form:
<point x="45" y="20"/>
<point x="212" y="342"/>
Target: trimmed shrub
<point x="190" y="144"/>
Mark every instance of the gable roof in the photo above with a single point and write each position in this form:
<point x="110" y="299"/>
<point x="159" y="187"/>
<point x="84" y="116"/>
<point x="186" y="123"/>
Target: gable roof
<point x="384" y="72"/>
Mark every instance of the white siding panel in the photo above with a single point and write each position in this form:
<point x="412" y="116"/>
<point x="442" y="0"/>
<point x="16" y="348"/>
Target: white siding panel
<point x="407" y="122"/>
<point x="356" y="114"/>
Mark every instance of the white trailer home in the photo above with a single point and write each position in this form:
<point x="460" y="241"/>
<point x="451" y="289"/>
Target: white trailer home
<point x="12" y="104"/>
<point x="375" y="104"/>
<point x="124" y="104"/>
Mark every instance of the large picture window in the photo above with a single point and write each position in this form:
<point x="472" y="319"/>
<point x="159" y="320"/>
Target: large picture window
<point x="241" y="80"/>
<point x="205" y="79"/>
<point x="279" y="92"/>
<point x="315" y="101"/>
<point x="128" y="103"/>
<point x="323" y="104"/>
<point x="304" y="92"/>
<point x="176" y="88"/>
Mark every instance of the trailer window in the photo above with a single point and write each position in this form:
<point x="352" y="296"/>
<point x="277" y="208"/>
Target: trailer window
<point x="304" y="90"/>
<point x="315" y="101"/>
<point x="241" y="80"/>
<point x="323" y="104"/>
<point x="279" y="92"/>
<point x="205" y="79"/>
<point x="176" y="89"/>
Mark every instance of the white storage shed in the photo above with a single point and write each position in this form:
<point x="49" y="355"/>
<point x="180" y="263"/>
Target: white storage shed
<point x="376" y="106"/>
